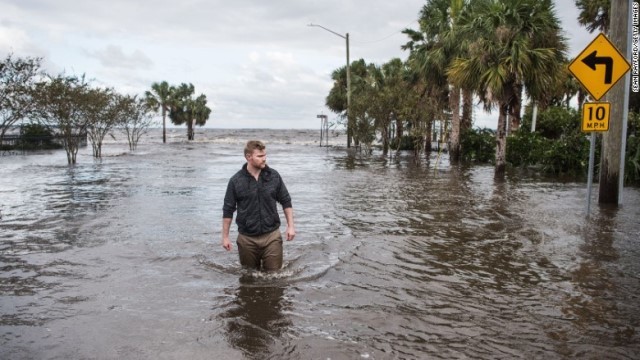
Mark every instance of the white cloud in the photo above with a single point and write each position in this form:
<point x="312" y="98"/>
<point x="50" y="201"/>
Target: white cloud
<point x="254" y="56"/>
<point x="16" y="40"/>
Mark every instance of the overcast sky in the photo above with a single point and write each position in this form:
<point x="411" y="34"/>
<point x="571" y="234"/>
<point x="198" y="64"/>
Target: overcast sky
<point x="258" y="62"/>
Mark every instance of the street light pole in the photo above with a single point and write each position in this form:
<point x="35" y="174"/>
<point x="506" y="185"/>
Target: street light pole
<point x="349" y="122"/>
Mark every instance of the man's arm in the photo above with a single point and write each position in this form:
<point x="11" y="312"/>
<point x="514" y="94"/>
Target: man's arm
<point x="291" y="231"/>
<point x="226" y="225"/>
<point x="228" y="208"/>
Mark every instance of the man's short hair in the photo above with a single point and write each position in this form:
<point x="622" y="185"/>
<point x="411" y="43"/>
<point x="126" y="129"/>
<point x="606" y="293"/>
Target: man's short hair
<point x="253" y="145"/>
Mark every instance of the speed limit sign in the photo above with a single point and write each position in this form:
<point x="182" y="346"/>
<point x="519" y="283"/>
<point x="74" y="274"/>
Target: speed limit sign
<point x="595" y="116"/>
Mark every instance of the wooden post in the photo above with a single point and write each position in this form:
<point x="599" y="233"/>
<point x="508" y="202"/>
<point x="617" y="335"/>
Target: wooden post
<point x="612" y="139"/>
<point x="324" y="129"/>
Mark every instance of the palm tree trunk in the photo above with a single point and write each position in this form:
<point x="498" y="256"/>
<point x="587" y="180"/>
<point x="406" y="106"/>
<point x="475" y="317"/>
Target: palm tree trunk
<point x="399" y="129"/>
<point x="190" y="130"/>
<point x="429" y="131"/>
<point x="501" y="143"/>
<point x="514" y="110"/>
<point x="467" y="111"/>
<point x="164" y="125"/>
<point x="454" y="141"/>
<point x="385" y="139"/>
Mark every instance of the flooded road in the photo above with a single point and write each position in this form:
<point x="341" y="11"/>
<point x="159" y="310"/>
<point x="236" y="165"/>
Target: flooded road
<point x="394" y="259"/>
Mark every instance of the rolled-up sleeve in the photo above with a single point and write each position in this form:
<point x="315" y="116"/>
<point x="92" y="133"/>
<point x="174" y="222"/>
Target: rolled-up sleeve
<point x="283" y="195"/>
<point x="229" y="206"/>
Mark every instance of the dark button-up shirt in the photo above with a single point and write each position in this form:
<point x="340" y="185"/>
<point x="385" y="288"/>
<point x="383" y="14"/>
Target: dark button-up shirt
<point x="255" y="201"/>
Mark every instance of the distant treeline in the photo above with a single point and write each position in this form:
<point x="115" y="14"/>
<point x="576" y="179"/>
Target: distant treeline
<point x="66" y="110"/>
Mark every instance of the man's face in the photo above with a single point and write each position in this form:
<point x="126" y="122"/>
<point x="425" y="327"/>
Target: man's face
<point x="258" y="159"/>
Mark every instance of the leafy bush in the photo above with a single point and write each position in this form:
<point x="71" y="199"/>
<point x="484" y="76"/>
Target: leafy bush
<point x="525" y="148"/>
<point x="557" y="145"/>
<point x="365" y="132"/>
<point x="35" y="130"/>
<point x="553" y="122"/>
<point x="35" y="136"/>
<point x="567" y="155"/>
<point x="478" y="145"/>
<point x="406" y="142"/>
<point x="632" y="164"/>
<point x="632" y="155"/>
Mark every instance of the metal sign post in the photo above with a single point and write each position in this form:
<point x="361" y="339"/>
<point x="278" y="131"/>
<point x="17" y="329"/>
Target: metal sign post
<point x="595" y="118"/>
<point x="592" y="151"/>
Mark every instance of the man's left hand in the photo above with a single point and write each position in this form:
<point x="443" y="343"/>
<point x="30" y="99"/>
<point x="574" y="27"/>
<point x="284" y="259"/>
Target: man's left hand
<point x="291" y="233"/>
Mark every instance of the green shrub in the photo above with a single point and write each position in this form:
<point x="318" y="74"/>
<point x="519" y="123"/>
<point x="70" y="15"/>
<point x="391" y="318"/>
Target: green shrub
<point x="557" y="146"/>
<point x="553" y="122"/>
<point x="632" y="154"/>
<point x="406" y="142"/>
<point x="567" y="155"/>
<point x="478" y="145"/>
<point x="525" y="148"/>
<point x="35" y="136"/>
<point x="632" y="164"/>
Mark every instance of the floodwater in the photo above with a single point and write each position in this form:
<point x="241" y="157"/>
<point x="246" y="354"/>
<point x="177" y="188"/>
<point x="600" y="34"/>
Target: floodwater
<point x="395" y="258"/>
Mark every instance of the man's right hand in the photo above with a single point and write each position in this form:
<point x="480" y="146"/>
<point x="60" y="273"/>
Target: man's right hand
<point x="226" y="244"/>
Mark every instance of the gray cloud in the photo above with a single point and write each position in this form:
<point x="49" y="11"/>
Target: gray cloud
<point x="114" y="56"/>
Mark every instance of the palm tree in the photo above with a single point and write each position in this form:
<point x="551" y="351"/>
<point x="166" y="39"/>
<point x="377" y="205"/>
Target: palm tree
<point x="423" y="103"/>
<point x="594" y="14"/>
<point x="442" y="43"/>
<point x="383" y="97"/>
<point x="395" y="74"/>
<point x="199" y="113"/>
<point x="161" y="97"/>
<point x="517" y="46"/>
<point x="187" y="110"/>
<point x="565" y="88"/>
<point x="362" y="90"/>
<point x="336" y="101"/>
<point x="426" y="76"/>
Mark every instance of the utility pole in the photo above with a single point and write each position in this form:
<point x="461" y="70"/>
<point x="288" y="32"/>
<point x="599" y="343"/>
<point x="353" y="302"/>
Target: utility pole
<point x="611" y="160"/>
<point x="349" y="120"/>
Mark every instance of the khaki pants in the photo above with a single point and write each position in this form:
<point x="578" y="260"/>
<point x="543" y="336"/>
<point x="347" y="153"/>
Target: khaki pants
<point x="262" y="252"/>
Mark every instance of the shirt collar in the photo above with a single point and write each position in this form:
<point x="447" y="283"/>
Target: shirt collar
<point x="266" y="172"/>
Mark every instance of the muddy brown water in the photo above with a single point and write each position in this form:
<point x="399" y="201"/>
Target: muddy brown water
<point x="394" y="259"/>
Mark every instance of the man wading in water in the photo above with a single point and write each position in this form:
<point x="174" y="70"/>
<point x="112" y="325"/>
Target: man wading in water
<point x="253" y="191"/>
